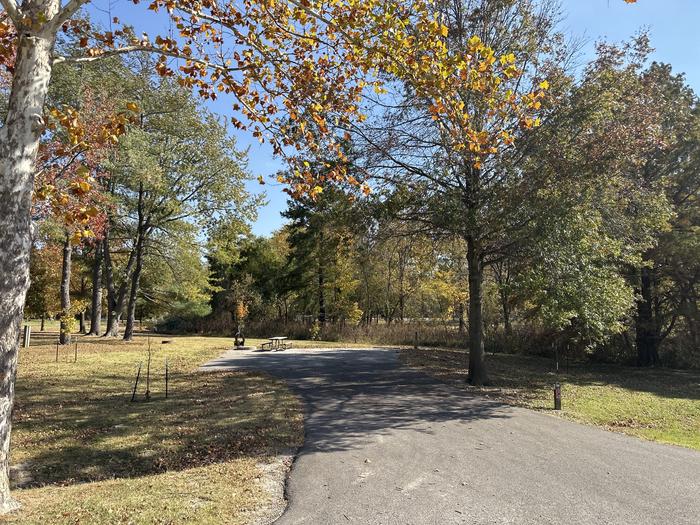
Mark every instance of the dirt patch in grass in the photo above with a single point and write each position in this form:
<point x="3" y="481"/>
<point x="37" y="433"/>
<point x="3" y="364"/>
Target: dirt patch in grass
<point x="658" y="404"/>
<point x="86" y="454"/>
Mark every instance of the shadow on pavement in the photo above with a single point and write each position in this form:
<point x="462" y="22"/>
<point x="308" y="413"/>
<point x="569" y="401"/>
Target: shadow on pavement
<point x="352" y="396"/>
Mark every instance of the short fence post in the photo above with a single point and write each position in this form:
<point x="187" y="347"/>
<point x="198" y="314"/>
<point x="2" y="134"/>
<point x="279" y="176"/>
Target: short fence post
<point x="557" y="396"/>
<point x="166" y="378"/>
<point x="27" y="335"/>
<point x="57" y="343"/>
<point x="75" y="358"/>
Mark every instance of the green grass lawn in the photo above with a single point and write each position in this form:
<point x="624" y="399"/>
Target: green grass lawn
<point x="658" y="404"/>
<point x="86" y="454"/>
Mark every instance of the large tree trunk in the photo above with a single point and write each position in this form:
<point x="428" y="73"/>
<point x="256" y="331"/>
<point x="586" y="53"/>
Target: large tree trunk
<point x="82" y="312"/>
<point x="647" y="326"/>
<point x="131" y="310"/>
<point x="116" y="299"/>
<point x="477" y="367"/>
<point x="109" y="283"/>
<point x="142" y="230"/>
<point x="66" y="321"/>
<point x="19" y="144"/>
<point x="96" y="301"/>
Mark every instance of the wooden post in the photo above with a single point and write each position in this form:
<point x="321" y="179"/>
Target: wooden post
<point x="27" y="335"/>
<point x="557" y="396"/>
<point x="136" y="383"/>
<point x="57" y="342"/>
<point x="75" y="357"/>
<point x="166" y="378"/>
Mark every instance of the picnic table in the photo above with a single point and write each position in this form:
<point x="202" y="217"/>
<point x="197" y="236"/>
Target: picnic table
<point x="276" y="343"/>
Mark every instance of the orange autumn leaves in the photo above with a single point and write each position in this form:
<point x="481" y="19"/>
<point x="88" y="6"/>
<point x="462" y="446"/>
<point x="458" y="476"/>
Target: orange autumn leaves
<point x="298" y="70"/>
<point x="70" y="164"/>
<point x="489" y="82"/>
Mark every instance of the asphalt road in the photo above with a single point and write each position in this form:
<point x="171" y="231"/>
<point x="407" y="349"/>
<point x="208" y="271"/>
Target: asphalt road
<point x="388" y="445"/>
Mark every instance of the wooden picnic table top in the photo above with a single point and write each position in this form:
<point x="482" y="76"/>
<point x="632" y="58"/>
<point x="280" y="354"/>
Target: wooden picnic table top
<point x="278" y="338"/>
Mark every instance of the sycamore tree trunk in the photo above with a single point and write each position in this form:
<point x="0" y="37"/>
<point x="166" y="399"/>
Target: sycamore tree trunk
<point x="477" y="367"/>
<point x="19" y="144"/>
<point x="96" y="300"/>
<point x="66" y="321"/>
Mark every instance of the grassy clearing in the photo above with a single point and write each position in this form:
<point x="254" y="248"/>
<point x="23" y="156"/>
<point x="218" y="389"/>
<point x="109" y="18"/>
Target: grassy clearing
<point x="87" y="455"/>
<point x="658" y="404"/>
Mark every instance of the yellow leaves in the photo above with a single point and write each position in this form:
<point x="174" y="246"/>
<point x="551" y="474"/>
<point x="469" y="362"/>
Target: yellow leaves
<point x="444" y="30"/>
<point x="474" y="45"/>
<point x="132" y="106"/>
<point x="544" y="85"/>
<point x="529" y="122"/>
<point x="508" y="59"/>
<point x="79" y="235"/>
<point x="80" y="187"/>
<point x="511" y="71"/>
<point x="507" y="138"/>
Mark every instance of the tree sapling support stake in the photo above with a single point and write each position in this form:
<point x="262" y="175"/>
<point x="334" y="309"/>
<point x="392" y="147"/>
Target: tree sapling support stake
<point x="557" y="396"/>
<point x="166" y="378"/>
<point x="75" y="356"/>
<point x="136" y="383"/>
<point x="148" y="372"/>
<point x="57" y="351"/>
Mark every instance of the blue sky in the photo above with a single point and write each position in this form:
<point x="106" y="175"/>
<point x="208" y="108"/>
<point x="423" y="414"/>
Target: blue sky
<point x="674" y="26"/>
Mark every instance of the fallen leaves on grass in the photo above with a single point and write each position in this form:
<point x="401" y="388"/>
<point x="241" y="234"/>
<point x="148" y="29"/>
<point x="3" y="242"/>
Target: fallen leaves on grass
<point x="95" y="457"/>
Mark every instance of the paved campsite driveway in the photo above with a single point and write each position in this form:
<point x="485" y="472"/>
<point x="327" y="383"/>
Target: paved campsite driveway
<point x="388" y="445"/>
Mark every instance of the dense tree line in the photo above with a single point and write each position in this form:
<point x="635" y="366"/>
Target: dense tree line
<point x="587" y="232"/>
<point x="174" y="175"/>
